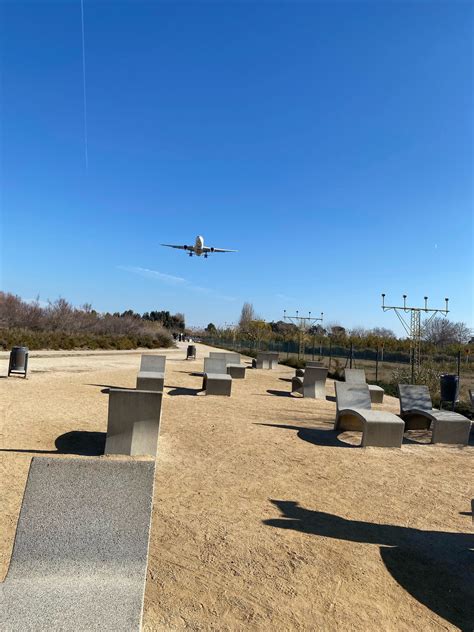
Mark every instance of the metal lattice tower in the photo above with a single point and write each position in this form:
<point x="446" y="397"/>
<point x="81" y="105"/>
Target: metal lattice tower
<point x="303" y="323"/>
<point x="413" y="327"/>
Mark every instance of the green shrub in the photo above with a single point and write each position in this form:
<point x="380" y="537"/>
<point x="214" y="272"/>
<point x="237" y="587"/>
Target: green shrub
<point x="59" y="340"/>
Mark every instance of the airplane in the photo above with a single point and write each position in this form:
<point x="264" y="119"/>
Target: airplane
<point x="199" y="248"/>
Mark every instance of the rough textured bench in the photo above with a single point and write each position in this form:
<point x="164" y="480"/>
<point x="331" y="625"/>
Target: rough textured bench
<point x="312" y="384"/>
<point x="357" y="376"/>
<point x="416" y="409"/>
<point x="80" y="555"/>
<point x="151" y="376"/>
<point x="133" y="422"/>
<point x="354" y="412"/>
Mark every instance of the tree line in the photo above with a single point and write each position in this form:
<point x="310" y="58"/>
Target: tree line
<point x="59" y="324"/>
<point x="438" y="333"/>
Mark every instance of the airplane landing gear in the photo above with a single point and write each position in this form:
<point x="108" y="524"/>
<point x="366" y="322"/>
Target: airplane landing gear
<point x="190" y="254"/>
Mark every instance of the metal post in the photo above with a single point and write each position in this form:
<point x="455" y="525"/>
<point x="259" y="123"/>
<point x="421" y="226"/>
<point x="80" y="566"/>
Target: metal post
<point x="377" y="366"/>
<point x="314" y="342"/>
<point x="459" y="362"/>
<point x="330" y="354"/>
<point x="412" y="360"/>
<point x="351" y="352"/>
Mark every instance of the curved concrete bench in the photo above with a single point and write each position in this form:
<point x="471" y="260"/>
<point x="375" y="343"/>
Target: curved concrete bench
<point x="357" y="376"/>
<point x="81" y="548"/>
<point x="416" y="409"/>
<point x="151" y="376"/>
<point x="354" y="412"/>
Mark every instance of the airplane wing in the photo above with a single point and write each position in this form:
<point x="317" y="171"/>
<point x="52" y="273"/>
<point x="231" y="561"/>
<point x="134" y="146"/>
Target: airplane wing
<point x="209" y="249"/>
<point x="179" y="247"/>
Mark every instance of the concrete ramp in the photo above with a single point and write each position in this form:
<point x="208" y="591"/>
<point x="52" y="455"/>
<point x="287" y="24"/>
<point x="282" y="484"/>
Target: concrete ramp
<point x="80" y="554"/>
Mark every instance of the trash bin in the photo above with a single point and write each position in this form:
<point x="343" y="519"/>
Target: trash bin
<point x="191" y="352"/>
<point x="449" y="388"/>
<point x="18" y="361"/>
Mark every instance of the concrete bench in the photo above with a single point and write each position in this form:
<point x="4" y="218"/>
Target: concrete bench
<point x="236" y="371"/>
<point x="230" y="356"/>
<point x="312" y="384"/>
<point x="217" y="384"/>
<point x="354" y="412"/>
<point x="266" y="360"/>
<point x="234" y="368"/>
<point x="133" y="422"/>
<point x="416" y="409"/>
<point x="309" y="364"/>
<point x="151" y="376"/>
<point x="81" y="548"/>
<point x="357" y="376"/>
<point x="216" y="380"/>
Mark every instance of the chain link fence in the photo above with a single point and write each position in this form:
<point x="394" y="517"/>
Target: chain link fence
<point x="381" y="365"/>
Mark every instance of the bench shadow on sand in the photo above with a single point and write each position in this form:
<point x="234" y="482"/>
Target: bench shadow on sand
<point x="433" y="566"/>
<point x="182" y="390"/>
<point x="316" y="436"/>
<point x="106" y="388"/>
<point x="277" y="393"/>
<point x="81" y="442"/>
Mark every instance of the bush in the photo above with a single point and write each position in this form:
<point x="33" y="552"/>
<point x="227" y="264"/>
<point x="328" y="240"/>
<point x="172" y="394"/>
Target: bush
<point x="57" y="340"/>
<point x="427" y="374"/>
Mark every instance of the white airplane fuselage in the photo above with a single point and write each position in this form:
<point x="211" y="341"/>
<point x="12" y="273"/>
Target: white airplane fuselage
<point x="199" y="246"/>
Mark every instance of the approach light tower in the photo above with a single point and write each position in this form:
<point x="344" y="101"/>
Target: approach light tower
<point x="413" y="325"/>
<point x="303" y="323"/>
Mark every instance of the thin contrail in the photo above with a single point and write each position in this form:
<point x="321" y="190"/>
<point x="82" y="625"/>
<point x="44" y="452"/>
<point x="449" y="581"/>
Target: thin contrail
<point x="84" y="85"/>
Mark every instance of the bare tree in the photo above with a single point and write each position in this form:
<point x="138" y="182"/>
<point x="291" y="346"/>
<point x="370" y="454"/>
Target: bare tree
<point x="441" y="331"/>
<point x="247" y="315"/>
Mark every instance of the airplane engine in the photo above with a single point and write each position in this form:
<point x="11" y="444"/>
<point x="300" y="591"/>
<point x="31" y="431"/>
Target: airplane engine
<point x="212" y="249"/>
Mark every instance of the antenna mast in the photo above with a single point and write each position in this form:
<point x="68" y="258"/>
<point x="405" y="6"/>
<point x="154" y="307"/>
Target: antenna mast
<point x="412" y="324"/>
<point x="303" y="323"/>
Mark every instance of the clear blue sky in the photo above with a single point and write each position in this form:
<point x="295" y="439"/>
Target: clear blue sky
<point x="330" y="143"/>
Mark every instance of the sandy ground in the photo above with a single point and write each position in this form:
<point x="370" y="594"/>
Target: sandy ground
<point x="264" y="518"/>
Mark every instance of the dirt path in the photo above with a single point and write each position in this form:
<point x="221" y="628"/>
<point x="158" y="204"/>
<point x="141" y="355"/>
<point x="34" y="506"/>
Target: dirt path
<point x="264" y="519"/>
